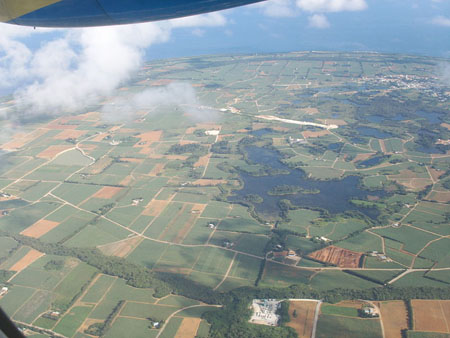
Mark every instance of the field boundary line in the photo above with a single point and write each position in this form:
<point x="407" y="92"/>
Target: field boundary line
<point x="226" y="274"/>
<point x="316" y="319"/>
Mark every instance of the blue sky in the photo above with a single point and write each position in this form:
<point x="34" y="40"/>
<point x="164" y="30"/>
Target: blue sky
<point x="394" y="26"/>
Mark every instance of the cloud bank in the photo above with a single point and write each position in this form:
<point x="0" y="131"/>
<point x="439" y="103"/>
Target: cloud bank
<point x="290" y="8"/>
<point x="441" y="20"/>
<point x="80" y="66"/>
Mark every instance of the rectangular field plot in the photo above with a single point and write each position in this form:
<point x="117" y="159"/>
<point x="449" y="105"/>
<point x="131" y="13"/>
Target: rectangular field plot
<point x="333" y="279"/>
<point x="171" y="329"/>
<point x="101" y="285"/>
<point x="303" y="320"/>
<point x="68" y="228"/>
<point x="38" y="191"/>
<point x="72" y="284"/>
<point x="20" y="219"/>
<point x="120" y="291"/>
<point x="245" y="267"/>
<point x="216" y="209"/>
<point x="131" y="327"/>
<point x="100" y="233"/>
<point x="15" y="298"/>
<point x="147" y="253"/>
<point x="69" y="324"/>
<point x="170" y="213"/>
<point x="281" y="275"/>
<point x="394" y="317"/>
<point x="214" y="260"/>
<point x="362" y="242"/>
<point x="301" y="219"/>
<point x="6" y="245"/>
<point x="431" y="315"/>
<point x="413" y="239"/>
<point x="438" y="252"/>
<point x="178" y="301"/>
<point x="200" y="232"/>
<point x="339" y="326"/>
<point x="142" y="310"/>
<point x="178" y="256"/>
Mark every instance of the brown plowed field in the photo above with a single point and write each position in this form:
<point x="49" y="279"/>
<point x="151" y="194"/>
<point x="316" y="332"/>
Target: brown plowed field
<point x="98" y="166"/>
<point x="394" y="317"/>
<point x="39" y="228"/>
<point x="155" y="207"/>
<point x="107" y="192"/>
<point x="157" y="169"/>
<point x="202" y="161"/>
<point x="188" y="328"/>
<point x="431" y="315"/>
<point x="26" y="260"/>
<point x="20" y="139"/>
<point x="440" y="196"/>
<point x="206" y="182"/>
<point x="190" y="223"/>
<point x="303" y="323"/>
<point x="435" y="173"/>
<point x="52" y="151"/>
<point x="310" y="134"/>
<point x="362" y="157"/>
<point x="122" y="248"/>
<point x="341" y="257"/>
<point x="151" y="136"/>
<point x="310" y="111"/>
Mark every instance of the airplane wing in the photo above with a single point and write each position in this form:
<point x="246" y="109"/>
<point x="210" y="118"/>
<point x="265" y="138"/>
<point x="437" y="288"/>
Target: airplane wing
<point x="84" y="13"/>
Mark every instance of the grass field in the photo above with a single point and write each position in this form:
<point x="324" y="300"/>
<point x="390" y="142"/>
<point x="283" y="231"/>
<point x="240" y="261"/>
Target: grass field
<point x="69" y="324"/>
<point x="148" y="188"/>
<point x="339" y="326"/>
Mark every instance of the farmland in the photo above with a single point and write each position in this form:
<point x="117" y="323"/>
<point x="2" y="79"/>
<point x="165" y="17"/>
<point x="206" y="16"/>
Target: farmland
<point x="330" y="193"/>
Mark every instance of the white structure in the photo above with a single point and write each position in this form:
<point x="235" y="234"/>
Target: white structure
<point x="212" y="132"/>
<point x="265" y="312"/>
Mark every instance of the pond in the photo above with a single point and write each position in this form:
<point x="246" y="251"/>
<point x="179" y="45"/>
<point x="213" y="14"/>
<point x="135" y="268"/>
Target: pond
<point x="371" y="161"/>
<point x="433" y="118"/>
<point x="331" y="195"/>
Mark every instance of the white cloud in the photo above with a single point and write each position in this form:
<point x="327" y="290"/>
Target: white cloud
<point x="178" y="93"/>
<point x="81" y="65"/>
<point x="318" y="21"/>
<point x="321" y="6"/>
<point x="278" y="8"/>
<point x="441" y="21"/>
<point x="205" y="20"/>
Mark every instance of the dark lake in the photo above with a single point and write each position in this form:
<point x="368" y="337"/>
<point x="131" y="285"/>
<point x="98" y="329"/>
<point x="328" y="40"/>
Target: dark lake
<point x="433" y="118"/>
<point x="334" y="196"/>
<point x="371" y="161"/>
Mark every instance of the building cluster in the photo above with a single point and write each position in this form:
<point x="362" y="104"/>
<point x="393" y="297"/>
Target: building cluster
<point x="379" y="255"/>
<point x="3" y="291"/>
<point x="265" y="312"/>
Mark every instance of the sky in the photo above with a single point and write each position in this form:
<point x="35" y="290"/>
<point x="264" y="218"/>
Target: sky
<point x="49" y="71"/>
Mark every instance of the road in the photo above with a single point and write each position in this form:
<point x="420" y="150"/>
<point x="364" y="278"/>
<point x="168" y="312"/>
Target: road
<point x="185" y="308"/>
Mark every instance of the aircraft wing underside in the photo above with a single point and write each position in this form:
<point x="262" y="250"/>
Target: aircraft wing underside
<point x="82" y="13"/>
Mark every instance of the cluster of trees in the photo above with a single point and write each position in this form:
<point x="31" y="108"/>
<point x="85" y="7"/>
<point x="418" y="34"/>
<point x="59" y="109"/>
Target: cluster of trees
<point x="54" y="264"/>
<point x="221" y="147"/>
<point x="285" y="189"/>
<point x="192" y="148"/>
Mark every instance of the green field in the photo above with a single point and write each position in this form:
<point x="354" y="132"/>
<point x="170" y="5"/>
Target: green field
<point x="338" y="326"/>
<point x="157" y="212"/>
